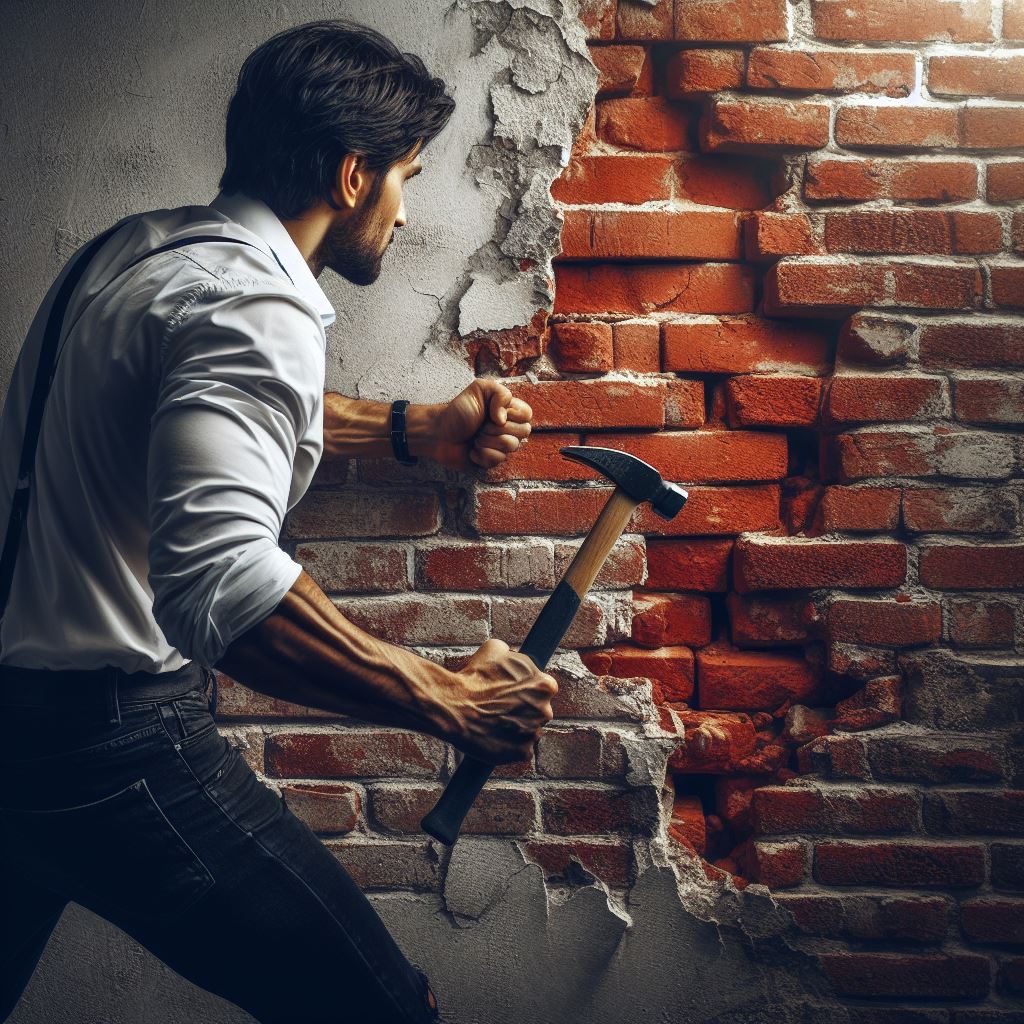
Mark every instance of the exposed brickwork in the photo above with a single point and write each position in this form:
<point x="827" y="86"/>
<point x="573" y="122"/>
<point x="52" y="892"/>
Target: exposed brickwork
<point x="792" y="279"/>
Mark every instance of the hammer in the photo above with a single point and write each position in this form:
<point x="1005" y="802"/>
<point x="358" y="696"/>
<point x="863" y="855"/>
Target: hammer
<point x="635" y="482"/>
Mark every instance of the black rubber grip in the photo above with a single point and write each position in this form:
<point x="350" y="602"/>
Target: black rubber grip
<point x="445" y="820"/>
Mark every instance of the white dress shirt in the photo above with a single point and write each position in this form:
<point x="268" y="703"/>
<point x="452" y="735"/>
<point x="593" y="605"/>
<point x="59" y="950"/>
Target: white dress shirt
<point x="185" y="419"/>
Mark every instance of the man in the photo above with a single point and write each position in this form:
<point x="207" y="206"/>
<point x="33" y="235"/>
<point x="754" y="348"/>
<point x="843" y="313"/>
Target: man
<point x="186" y="415"/>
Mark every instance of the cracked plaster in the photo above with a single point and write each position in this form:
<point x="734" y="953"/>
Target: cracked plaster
<point x="122" y="128"/>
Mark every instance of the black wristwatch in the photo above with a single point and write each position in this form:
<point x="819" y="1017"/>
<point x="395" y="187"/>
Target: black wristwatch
<point x="399" y="444"/>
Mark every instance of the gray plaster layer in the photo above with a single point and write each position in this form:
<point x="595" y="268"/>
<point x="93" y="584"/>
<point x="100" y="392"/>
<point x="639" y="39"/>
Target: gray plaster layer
<point x="116" y="106"/>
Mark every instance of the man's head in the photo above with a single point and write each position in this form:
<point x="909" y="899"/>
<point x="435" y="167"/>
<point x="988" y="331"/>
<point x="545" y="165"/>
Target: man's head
<point x="328" y="120"/>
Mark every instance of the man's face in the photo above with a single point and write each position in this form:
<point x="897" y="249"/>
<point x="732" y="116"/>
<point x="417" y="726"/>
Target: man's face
<point x="355" y="243"/>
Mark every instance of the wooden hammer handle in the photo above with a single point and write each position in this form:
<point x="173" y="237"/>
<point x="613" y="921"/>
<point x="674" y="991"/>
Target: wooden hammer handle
<point x="445" y="820"/>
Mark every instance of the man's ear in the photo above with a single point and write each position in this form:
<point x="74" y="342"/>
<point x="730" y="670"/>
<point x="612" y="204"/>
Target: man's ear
<point x="352" y="181"/>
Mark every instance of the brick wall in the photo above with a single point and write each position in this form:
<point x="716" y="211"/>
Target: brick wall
<point x="792" y="279"/>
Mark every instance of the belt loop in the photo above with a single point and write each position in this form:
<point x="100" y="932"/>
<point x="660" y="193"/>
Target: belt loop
<point x="113" y="706"/>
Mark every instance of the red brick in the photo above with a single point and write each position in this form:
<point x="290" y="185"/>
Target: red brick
<point x="973" y="623"/>
<point x="730" y="680"/>
<point x="743" y="345"/>
<point x="849" y="661"/>
<point x="384" y="864"/>
<point x="580" y="753"/>
<point x="572" y="810"/>
<point x="612" y="862"/>
<point x="481" y="566"/>
<point x="732" y="801"/>
<point x="876" y="339"/>
<point x="907" y="976"/>
<point x="972" y="566"/>
<point x="713" y="742"/>
<point x="623" y="567"/>
<point x="885" y="918"/>
<point x="971" y="343"/>
<point x="777" y="865"/>
<point x="598" y="18"/>
<point x="878" y="702"/>
<point x="717" y="179"/>
<point x="1007" y="284"/>
<point x="924" y="178"/>
<point x="498" y="810"/>
<point x="913" y="21"/>
<point x="792" y="563"/>
<point x="768" y="235"/>
<point x="337" y="566"/>
<point x="614" y="178"/>
<point x="419" y="619"/>
<point x="652" y="124"/>
<point x="914" y="452"/>
<point x="684" y="403"/>
<point x="731" y="21"/>
<point x="975" y="74"/>
<point x="891" y="623"/>
<point x="326" y="809"/>
<point x="660" y="619"/>
<point x="693" y="71"/>
<point x="637" y="347"/>
<point x="975" y="232"/>
<point x="884" y="398"/>
<point x="541" y="459"/>
<point x="699" y="456"/>
<point x="688" y="565"/>
<point x="583" y="347"/>
<point x="993" y="921"/>
<point x="670" y="669"/>
<point x="890" y="72"/>
<point x="768" y="621"/>
<point x="650" y="234"/>
<point x="822" y="287"/>
<point x="619" y="68"/>
<point x="898" y="126"/>
<point x="687" y="822"/>
<point x="859" y="509"/>
<point x="640" y="21"/>
<point x="958" y="510"/>
<point x="1013" y="19"/>
<point x="818" y="809"/>
<point x="642" y="288"/>
<point x="900" y="864"/>
<point x="349" y="754"/>
<point x="993" y="400"/>
<point x="802" y="724"/>
<point x="564" y="512"/>
<point x="753" y="123"/>
<point x="325" y="515"/>
<point x="940" y="758"/>
<point x="834" y="757"/>
<point x="600" y="404"/>
<point x="1007" y="865"/>
<point x="912" y="231"/>
<point x="937" y="286"/>
<point x="992" y="127"/>
<point x="1004" y="181"/>
<point x="974" y="812"/>
<point x="773" y="401"/>
<point x="594" y="623"/>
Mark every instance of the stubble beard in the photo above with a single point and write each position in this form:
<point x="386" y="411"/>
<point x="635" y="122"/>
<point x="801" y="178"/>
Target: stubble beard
<point x="350" y="249"/>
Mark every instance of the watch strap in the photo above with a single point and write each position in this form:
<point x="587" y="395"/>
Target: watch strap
<point x="399" y="442"/>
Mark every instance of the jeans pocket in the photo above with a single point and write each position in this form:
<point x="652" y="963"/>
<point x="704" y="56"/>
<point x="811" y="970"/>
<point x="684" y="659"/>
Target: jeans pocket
<point x="119" y="855"/>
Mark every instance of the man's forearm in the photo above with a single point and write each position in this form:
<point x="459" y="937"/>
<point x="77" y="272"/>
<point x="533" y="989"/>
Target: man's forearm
<point x="307" y="652"/>
<point x="359" y="428"/>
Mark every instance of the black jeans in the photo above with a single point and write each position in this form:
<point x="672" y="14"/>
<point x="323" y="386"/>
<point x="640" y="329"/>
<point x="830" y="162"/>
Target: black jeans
<point x="118" y="792"/>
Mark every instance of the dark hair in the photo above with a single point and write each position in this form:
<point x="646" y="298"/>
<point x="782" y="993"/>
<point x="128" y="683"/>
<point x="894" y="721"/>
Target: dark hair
<point x="311" y="94"/>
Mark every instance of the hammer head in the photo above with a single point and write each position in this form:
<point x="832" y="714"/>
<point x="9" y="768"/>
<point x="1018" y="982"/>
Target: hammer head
<point x="641" y="481"/>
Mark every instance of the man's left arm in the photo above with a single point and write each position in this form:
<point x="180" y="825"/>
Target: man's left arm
<point x="480" y="427"/>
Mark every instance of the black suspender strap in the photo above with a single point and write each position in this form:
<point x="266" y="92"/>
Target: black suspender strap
<point x="44" y="378"/>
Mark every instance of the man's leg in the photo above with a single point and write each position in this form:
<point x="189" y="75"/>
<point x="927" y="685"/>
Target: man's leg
<point x="28" y="914"/>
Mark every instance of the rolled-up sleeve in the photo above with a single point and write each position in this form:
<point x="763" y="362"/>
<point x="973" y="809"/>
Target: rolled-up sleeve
<point x="241" y="375"/>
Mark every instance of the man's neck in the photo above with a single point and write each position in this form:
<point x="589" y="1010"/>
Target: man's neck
<point x="307" y="232"/>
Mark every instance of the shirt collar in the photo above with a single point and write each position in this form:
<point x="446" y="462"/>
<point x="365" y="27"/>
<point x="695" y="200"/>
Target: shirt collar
<point x="254" y="215"/>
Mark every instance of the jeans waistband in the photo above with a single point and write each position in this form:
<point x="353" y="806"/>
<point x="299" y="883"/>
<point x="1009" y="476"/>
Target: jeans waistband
<point x="107" y="687"/>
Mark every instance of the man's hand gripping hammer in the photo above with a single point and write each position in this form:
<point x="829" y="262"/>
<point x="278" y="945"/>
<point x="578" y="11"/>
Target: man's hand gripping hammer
<point x="636" y="482"/>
